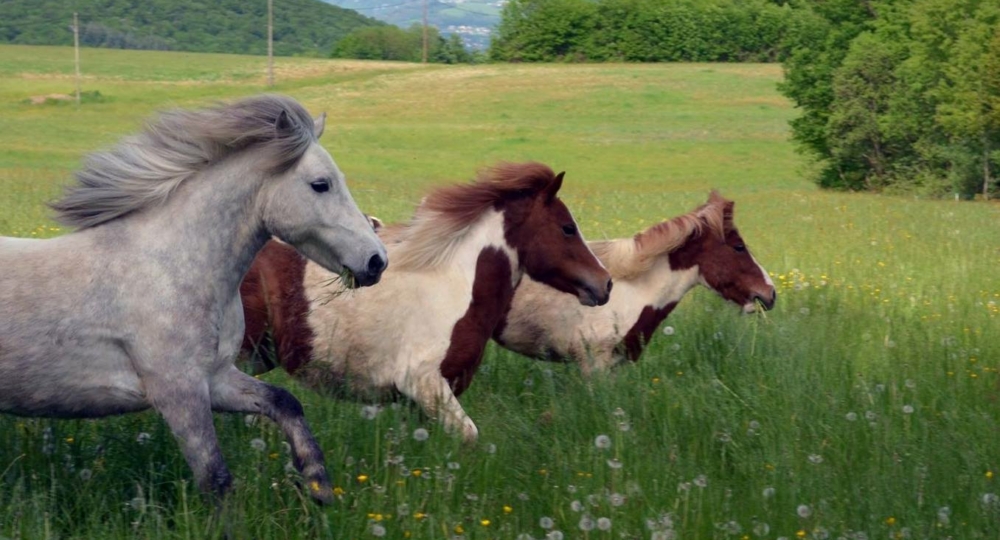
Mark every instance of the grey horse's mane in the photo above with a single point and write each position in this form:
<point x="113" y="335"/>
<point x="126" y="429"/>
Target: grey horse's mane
<point x="144" y="169"/>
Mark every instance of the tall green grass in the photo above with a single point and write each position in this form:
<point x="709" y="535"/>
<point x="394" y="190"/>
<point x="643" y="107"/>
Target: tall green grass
<point x="863" y="406"/>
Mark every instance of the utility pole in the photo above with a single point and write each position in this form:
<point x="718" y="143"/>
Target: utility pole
<point x="425" y="32"/>
<point x="76" y="54"/>
<point x="270" y="42"/>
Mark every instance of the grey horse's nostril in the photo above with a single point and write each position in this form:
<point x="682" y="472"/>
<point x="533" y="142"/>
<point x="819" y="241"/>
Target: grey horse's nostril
<point x="375" y="265"/>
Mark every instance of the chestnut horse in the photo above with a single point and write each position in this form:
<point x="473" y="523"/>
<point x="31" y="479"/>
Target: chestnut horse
<point x="423" y="330"/>
<point x="652" y="272"/>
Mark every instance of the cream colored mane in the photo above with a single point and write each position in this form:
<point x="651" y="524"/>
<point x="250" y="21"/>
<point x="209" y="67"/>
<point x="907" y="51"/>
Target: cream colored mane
<point x="445" y="216"/>
<point x="628" y="258"/>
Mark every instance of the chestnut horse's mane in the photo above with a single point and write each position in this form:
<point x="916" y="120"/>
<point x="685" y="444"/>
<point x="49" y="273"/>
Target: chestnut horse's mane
<point x="447" y="214"/>
<point x="627" y="258"/>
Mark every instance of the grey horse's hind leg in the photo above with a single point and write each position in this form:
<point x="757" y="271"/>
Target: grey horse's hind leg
<point x="235" y="391"/>
<point x="189" y="415"/>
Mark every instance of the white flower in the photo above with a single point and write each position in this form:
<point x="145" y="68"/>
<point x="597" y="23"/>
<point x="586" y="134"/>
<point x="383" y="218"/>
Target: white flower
<point x="990" y="499"/>
<point x="454" y="465"/>
<point x="624" y="426"/>
<point x="554" y="535"/>
<point x="907" y="409"/>
<point x="576" y="506"/>
<point x="604" y="524"/>
<point x="546" y="522"/>
<point x="803" y="511"/>
<point x="815" y="459"/>
<point x="491" y="448"/>
<point x="420" y="434"/>
<point x="701" y="481"/>
<point x="369" y="412"/>
<point x="586" y="524"/>
<point x="761" y="529"/>
<point x="668" y="330"/>
<point x="851" y="416"/>
<point x="86" y="474"/>
<point x="258" y="444"/>
<point x="619" y="412"/>
<point x="768" y="492"/>
<point x="143" y="438"/>
<point x="614" y="463"/>
<point x="602" y="441"/>
<point x="378" y="530"/>
<point x="616" y="499"/>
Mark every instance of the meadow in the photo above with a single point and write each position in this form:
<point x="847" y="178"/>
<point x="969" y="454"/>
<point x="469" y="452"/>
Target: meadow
<point x="864" y="406"/>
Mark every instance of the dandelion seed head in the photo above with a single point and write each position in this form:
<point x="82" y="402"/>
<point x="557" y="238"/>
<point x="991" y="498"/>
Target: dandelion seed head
<point x="454" y="465"/>
<point x="851" y="416"/>
<point x="614" y="463"/>
<point x="768" y="492"/>
<point x="803" y="511"/>
<point x="616" y="499"/>
<point x="907" y="409"/>
<point x="420" y="434"/>
<point x="761" y="529"/>
<point x="910" y="383"/>
<point x="554" y="535"/>
<point x="546" y="522"/>
<point x="491" y="448"/>
<point x="604" y="523"/>
<point x="258" y="444"/>
<point x="369" y="412"/>
<point x="701" y="481"/>
<point x="576" y="506"/>
<point x="143" y="438"/>
<point x="602" y="441"/>
<point x="378" y="530"/>
<point x="586" y="524"/>
<point x="668" y="330"/>
<point x="815" y="459"/>
<point x="870" y="416"/>
<point x="990" y="499"/>
<point x="86" y="474"/>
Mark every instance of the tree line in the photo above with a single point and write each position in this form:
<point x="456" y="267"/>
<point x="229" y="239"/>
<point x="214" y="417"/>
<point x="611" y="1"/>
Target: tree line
<point x="901" y="95"/>
<point x="301" y="27"/>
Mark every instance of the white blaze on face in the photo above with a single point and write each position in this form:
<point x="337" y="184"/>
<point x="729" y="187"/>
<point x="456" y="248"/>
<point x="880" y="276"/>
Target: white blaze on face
<point x="751" y="306"/>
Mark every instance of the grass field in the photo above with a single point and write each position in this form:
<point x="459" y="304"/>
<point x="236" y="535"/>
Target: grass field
<point x="864" y="406"/>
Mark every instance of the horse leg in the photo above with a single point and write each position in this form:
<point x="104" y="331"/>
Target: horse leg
<point x="188" y="413"/>
<point x="434" y="395"/>
<point x="235" y="391"/>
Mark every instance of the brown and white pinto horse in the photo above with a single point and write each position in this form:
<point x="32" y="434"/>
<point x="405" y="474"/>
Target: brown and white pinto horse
<point x="422" y="332"/>
<point x="652" y="270"/>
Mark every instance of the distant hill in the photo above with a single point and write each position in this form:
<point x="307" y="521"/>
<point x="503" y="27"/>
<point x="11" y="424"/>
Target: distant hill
<point x="301" y="27"/>
<point x="473" y="20"/>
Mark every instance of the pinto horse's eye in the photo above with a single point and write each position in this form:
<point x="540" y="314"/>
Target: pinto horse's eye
<point x="569" y="230"/>
<point x="320" y="186"/>
<point x="740" y="248"/>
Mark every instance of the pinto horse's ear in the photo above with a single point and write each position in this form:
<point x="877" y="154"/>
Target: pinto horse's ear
<point x="553" y="188"/>
<point x="319" y="124"/>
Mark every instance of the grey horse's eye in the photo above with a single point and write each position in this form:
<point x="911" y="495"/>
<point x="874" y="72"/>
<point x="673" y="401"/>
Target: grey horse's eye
<point x="320" y="186"/>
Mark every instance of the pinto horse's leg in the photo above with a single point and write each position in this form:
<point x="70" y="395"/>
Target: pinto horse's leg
<point x="434" y="395"/>
<point x="188" y="413"/>
<point x="235" y="391"/>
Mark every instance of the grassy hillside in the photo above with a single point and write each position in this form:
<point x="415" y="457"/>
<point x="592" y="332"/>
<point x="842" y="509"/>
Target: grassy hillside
<point x="863" y="406"/>
<point x="301" y="27"/>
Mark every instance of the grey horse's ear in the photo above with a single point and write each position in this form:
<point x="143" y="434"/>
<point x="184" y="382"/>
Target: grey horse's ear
<point x="319" y="124"/>
<point x="283" y="123"/>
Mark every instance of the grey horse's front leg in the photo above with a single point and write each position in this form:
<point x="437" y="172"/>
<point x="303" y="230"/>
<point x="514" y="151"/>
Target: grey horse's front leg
<point x="188" y="412"/>
<point x="235" y="391"/>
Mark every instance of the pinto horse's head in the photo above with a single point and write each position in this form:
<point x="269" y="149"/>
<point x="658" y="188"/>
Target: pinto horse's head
<point x="549" y="245"/>
<point x="724" y="261"/>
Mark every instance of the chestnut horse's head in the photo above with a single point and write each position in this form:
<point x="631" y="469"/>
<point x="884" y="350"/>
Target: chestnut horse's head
<point x="723" y="259"/>
<point x="548" y="243"/>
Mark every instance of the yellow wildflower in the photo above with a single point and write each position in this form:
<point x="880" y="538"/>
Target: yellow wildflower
<point x="362" y="478"/>
<point x="507" y="509"/>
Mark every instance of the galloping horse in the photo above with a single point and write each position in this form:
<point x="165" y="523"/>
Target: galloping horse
<point x="652" y="272"/>
<point x="423" y="331"/>
<point x="140" y="306"/>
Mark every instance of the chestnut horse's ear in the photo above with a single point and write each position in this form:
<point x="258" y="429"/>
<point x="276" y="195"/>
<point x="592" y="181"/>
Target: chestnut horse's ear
<point x="553" y="188"/>
<point x="319" y="124"/>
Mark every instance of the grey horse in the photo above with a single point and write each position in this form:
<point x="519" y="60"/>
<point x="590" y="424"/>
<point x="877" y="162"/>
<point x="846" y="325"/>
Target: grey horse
<point x="139" y="307"/>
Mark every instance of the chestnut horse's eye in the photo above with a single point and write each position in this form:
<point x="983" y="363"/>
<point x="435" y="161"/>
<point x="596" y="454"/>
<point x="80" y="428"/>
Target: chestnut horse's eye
<point x="569" y="230"/>
<point x="740" y="248"/>
<point x="320" y="186"/>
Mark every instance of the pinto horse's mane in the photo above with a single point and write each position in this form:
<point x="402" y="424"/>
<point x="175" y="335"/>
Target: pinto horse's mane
<point x="144" y="169"/>
<point x="447" y="214"/>
<point x="627" y="258"/>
